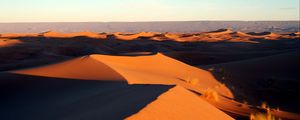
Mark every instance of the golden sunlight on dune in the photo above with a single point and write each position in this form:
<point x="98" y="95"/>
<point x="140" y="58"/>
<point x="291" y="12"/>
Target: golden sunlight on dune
<point x="179" y="104"/>
<point x="8" y="42"/>
<point x="218" y="75"/>
<point x="55" y="34"/>
<point x="152" y="69"/>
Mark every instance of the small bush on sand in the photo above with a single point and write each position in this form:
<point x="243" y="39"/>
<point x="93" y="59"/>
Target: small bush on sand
<point x="264" y="116"/>
<point x="210" y="94"/>
<point x="264" y="105"/>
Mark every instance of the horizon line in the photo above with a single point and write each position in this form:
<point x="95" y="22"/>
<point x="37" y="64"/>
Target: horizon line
<point x="153" y="21"/>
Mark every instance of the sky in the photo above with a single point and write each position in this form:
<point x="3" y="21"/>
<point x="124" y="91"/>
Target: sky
<point x="146" y="10"/>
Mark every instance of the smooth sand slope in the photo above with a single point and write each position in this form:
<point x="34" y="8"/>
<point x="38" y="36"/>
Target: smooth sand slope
<point x="179" y="104"/>
<point x="43" y="98"/>
<point x="121" y="36"/>
<point x="84" y="68"/>
<point x="88" y="34"/>
<point x="158" y="70"/>
<point x="152" y="69"/>
<point x="15" y="35"/>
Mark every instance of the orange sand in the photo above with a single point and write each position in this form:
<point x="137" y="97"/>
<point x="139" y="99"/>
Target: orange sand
<point x="179" y="104"/>
<point x="8" y="42"/>
<point x="76" y="34"/>
<point x="158" y="70"/>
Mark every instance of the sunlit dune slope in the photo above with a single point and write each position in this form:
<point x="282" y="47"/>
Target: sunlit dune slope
<point x="121" y="36"/>
<point x="8" y="42"/>
<point x="16" y="35"/>
<point x="220" y="35"/>
<point x="85" y="68"/>
<point x="179" y="104"/>
<point x="55" y="34"/>
<point x="152" y="69"/>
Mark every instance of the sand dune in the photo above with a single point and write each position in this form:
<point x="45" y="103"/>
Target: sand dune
<point x="121" y="36"/>
<point x="159" y="69"/>
<point x="179" y="104"/>
<point x="44" y="98"/>
<point x="222" y="35"/>
<point x="215" y="36"/>
<point x="8" y="42"/>
<point x="55" y="34"/>
<point x="56" y="98"/>
<point x="122" y="77"/>
<point x="220" y="32"/>
<point x="84" y="68"/>
<point x="16" y="35"/>
<point x="129" y="69"/>
<point x="110" y="68"/>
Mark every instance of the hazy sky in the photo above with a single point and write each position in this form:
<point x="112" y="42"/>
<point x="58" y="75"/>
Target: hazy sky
<point x="146" y="10"/>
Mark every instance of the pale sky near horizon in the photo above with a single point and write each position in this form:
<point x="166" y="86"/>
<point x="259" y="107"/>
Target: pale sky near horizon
<point x="146" y="10"/>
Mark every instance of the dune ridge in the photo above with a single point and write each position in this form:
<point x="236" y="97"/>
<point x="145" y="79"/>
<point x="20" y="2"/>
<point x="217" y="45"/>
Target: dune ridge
<point x="213" y="36"/>
<point x="104" y="67"/>
<point x="55" y="34"/>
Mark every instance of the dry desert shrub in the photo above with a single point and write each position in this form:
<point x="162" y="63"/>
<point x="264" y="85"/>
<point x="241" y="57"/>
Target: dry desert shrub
<point x="264" y="115"/>
<point x="211" y="94"/>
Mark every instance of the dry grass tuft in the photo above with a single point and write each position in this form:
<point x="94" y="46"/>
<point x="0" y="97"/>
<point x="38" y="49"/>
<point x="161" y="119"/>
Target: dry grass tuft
<point x="211" y="94"/>
<point x="264" y="105"/>
<point x="264" y="116"/>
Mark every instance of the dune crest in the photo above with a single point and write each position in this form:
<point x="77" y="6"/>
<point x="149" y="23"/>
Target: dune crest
<point x="16" y="35"/>
<point x="84" y="68"/>
<point x="221" y="35"/>
<point x="132" y="36"/>
<point x="55" y="34"/>
<point x="150" y="69"/>
<point x="220" y="32"/>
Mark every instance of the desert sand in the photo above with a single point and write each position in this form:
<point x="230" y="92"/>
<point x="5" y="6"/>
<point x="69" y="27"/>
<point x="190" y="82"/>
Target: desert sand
<point x="218" y="75"/>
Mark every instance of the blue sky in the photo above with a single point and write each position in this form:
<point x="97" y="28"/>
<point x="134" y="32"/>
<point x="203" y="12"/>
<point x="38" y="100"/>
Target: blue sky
<point x="146" y="10"/>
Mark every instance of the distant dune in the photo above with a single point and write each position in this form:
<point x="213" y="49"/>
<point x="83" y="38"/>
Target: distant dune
<point x="214" y="36"/>
<point x="70" y="35"/>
